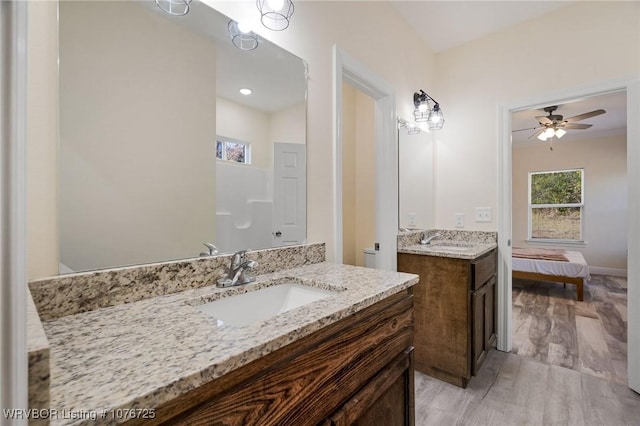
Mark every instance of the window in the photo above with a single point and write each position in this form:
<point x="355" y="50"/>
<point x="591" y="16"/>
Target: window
<point x="232" y="150"/>
<point x="556" y="201"/>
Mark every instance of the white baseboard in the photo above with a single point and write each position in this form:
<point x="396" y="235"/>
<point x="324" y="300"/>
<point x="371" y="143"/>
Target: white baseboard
<point x="598" y="270"/>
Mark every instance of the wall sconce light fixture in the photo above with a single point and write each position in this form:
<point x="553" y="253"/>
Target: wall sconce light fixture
<point x="174" y="7"/>
<point x="412" y="129"/>
<point x="424" y="113"/>
<point x="275" y="14"/>
<point x="242" y="38"/>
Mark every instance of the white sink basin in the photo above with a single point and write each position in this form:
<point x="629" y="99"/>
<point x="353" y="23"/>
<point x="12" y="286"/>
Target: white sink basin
<point x="248" y="308"/>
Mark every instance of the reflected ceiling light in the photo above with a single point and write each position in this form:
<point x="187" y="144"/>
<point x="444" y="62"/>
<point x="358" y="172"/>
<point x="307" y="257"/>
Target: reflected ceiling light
<point x="424" y="113"/>
<point x="241" y="36"/>
<point x="275" y="14"/>
<point x="174" y="7"/>
<point x="245" y="92"/>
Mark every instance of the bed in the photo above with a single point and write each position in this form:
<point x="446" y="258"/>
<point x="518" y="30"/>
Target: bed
<point x="551" y="265"/>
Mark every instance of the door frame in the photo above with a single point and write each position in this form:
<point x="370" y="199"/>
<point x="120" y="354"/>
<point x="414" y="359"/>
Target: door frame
<point x="13" y="262"/>
<point x="631" y="85"/>
<point x="348" y="69"/>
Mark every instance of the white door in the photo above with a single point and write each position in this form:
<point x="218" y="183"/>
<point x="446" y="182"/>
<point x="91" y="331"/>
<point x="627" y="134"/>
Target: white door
<point x="289" y="194"/>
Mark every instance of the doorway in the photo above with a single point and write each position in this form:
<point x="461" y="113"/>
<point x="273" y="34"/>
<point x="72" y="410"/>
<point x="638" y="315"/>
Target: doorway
<point x="632" y="87"/>
<point x="569" y="199"/>
<point x="356" y="74"/>
<point x="358" y="177"/>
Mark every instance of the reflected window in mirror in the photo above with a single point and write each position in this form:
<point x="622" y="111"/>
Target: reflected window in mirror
<point x="233" y="150"/>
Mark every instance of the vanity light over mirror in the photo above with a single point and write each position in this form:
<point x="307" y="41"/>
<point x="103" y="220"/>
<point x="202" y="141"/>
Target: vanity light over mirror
<point x="159" y="152"/>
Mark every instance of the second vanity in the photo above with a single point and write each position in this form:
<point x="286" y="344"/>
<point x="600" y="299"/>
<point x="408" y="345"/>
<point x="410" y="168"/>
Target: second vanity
<point x="343" y="359"/>
<point x="454" y="301"/>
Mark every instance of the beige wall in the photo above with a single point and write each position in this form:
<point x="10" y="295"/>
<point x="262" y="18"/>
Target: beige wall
<point x="604" y="160"/>
<point x="416" y="179"/>
<point x="358" y="175"/>
<point x="371" y="32"/>
<point x="42" y="140"/>
<point x="589" y="42"/>
<point x="289" y="125"/>
<point x="246" y="124"/>
<point x="138" y="177"/>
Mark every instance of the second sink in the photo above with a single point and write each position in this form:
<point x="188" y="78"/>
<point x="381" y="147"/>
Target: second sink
<point x="248" y="308"/>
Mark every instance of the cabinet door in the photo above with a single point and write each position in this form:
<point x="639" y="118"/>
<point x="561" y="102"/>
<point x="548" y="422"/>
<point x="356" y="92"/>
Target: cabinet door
<point x="386" y="400"/>
<point x="490" y="319"/>
<point x="479" y="339"/>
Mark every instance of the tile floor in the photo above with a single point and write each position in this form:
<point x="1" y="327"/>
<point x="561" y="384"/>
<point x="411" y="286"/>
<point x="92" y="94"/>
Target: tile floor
<point x="568" y="365"/>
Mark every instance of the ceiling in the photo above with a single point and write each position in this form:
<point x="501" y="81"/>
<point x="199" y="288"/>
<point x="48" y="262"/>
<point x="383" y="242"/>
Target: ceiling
<point x="446" y="24"/>
<point x="612" y="123"/>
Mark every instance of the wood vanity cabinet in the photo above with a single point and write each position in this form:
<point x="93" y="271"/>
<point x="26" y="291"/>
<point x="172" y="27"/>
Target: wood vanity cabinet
<point x="358" y="370"/>
<point x="455" y="317"/>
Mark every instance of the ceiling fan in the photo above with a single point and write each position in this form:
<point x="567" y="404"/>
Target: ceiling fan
<point x="555" y="124"/>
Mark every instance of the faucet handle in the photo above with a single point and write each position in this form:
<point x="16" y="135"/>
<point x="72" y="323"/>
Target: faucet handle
<point x="237" y="258"/>
<point x="212" y="248"/>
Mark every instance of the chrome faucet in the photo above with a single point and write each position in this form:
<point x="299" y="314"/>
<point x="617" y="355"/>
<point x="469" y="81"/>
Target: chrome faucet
<point x="211" y="250"/>
<point x="427" y="240"/>
<point x="237" y="271"/>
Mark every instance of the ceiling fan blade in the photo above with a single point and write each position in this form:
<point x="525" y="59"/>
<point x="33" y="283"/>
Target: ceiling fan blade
<point x="543" y="119"/>
<point x="575" y="126"/>
<point x="521" y="130"/>
<point x="536" y="134"/>
<point x="585" y="115"/>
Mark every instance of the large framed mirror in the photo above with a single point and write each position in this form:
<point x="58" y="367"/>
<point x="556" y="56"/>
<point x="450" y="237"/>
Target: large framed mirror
<point x="159" y="151"/>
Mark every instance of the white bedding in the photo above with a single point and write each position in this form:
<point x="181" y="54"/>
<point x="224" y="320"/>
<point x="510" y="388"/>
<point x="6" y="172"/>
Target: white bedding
<point x="575" y="267"/>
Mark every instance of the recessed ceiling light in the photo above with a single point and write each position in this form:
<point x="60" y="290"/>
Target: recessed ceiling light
<point x="245" y="92"/>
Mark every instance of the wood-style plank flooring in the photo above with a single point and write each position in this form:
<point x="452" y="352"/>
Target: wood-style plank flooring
<point x="550" y="326"/>
<point x="568" y="365"/>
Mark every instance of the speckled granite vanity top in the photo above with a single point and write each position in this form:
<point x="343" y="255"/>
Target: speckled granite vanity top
<point x="456" y="244"/>
<point x="142" y="354"/>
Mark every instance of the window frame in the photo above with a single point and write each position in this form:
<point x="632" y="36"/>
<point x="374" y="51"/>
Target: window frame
<point x="580" y="205"/>
<point x="224" y="141"/>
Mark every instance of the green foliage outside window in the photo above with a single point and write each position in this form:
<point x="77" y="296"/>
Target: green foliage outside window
<point x="557" y="187"/>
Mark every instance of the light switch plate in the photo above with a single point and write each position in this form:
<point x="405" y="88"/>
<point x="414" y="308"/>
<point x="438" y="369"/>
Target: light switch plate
<point x="459" y="220"/>
<point x="412" y="220"/>
<point x="483" y="214"/>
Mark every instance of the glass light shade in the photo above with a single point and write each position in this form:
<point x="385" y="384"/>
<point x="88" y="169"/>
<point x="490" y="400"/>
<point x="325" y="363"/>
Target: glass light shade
<point x="421" y="116"/>
<point x="549" y="132"/>
<point x="242" y="40"/>
<point x="174" y="7"/>
<point x="275" y="14"/>
<point x="436" y="118"/>
<point x="542" y="136"/>
<point x="560" y="133"/>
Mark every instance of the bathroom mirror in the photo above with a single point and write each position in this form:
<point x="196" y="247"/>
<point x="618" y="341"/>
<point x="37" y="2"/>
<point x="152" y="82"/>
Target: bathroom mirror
<point x="415" y="179"/>
<point x="149" y="103"/>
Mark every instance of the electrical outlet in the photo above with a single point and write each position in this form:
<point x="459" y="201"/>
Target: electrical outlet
<point x="483" y="214"/>
<point x="412" y="220"/>
<point x="459" y="220"/>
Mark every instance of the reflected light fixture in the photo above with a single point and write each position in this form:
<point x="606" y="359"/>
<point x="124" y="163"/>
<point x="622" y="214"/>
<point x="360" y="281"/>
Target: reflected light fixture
<point x="424" y="113"/>
<point x="174" y="7"/>
<point x="275" y="14"/>
<point x="245" y="91"/>
<point x="241" y="36"/>
<point x="412" y="129"/>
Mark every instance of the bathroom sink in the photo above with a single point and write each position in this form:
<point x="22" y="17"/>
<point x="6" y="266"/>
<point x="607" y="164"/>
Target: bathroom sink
<point x="258" y="305"/>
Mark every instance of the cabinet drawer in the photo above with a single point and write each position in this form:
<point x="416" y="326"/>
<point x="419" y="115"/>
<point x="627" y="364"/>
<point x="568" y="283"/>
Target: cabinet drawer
<point x="483" y="269"/>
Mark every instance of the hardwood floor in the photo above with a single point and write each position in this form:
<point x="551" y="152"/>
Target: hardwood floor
<point x="513" y="390"/>
<point x="568" y="364"/>
<point x="550" y="326"/>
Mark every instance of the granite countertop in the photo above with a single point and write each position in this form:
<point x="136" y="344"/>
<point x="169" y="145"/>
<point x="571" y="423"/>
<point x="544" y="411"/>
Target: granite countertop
<point x="143" y="354"/>
<point x="450" y="248"/>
